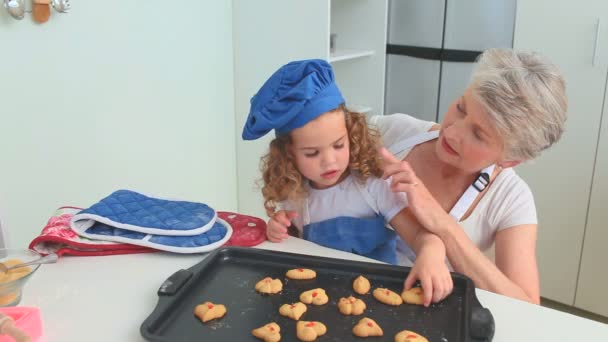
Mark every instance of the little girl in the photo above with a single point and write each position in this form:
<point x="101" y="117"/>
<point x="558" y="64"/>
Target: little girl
<point x="323" y="172"/>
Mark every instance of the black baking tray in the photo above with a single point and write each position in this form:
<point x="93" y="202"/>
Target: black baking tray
<point x="228" y="276"/>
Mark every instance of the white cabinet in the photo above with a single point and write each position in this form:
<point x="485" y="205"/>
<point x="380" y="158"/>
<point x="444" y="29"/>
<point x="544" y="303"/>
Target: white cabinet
<point x="271" y="33"/>
<point x="359" y="28"/>
<point x="593" y="279"/>
<point x="561" y="179"/>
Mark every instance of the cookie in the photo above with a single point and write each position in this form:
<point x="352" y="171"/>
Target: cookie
<point x="309" y="331"/>
<point x="269" y="285"/>
<point x="361" y="285"/>
<point x="208" y="311"/>
<point x="269" y="332"/>
<point x="293" y="311"/>
<point x="367" y="327"/>
<point x="351" y="306"/>
<point x="415" y="295"/>
<point x="315" y="296"/>
<point x="387" y="296"/>
<point x="409" y="336"/>
<point x="301" y="273"/>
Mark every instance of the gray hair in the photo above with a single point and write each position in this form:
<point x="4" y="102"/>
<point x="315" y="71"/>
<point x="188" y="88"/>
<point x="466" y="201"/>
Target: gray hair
<point x="525" y="96"/>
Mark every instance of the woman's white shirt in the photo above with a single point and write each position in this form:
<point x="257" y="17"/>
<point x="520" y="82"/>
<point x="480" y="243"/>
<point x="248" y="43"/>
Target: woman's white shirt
<point x="508" y="201"/>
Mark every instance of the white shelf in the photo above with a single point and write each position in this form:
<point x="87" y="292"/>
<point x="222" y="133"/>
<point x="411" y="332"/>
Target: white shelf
<point x="359" y="109"/>
<point x="346" y="54"/>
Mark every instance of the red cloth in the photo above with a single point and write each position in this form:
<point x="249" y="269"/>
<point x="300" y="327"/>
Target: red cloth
<point x="58" y="237"/>
<point x="248" y="231"/>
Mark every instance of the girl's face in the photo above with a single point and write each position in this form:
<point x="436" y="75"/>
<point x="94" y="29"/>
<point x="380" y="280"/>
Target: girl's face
<point x="321" y="149"/>
<point x="467" y="139"/>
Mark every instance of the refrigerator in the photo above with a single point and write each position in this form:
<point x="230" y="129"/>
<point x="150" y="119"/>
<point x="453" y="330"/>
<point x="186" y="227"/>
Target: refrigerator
<point x="432" y="46"/>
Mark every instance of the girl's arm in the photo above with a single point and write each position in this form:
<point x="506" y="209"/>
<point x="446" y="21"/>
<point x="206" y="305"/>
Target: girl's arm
<point x="430" y="267"/>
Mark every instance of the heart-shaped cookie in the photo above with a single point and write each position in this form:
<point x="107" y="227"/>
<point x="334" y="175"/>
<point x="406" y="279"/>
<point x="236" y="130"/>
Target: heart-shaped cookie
<point x="314" y="296"/>
<point x="367" y="327"/>
<point x="309" y="331"/>
<point x="293" y="311"/>
<point x="269" y="332"/>
<point x="208" y="311"/>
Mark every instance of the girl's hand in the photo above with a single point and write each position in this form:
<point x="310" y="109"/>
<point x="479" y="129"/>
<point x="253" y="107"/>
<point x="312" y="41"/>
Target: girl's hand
<point x="276" y="229"/>
<point x="421" y="202"/>
<point x="434" y="276"/>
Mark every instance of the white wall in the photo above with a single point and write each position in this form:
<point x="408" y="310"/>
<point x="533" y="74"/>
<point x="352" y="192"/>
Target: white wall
<point x="137" y="95"/>
<point x="267" y="35"/>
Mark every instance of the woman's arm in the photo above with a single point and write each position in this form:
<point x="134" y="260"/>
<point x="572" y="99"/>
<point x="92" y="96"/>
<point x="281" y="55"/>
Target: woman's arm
<point x="515" y="273"/>
<point x="516" y="257"/>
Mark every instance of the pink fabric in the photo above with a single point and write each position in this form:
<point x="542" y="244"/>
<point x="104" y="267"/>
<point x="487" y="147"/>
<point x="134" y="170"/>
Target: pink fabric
<point x="58" y="237"/>
<point x="27" y="319"/>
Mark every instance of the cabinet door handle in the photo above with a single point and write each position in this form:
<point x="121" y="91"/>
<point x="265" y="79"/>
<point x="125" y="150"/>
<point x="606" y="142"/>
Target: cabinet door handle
<point x="597" y="39"/>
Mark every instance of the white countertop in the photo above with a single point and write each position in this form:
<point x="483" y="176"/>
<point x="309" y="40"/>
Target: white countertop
<point x="107" y="298"/>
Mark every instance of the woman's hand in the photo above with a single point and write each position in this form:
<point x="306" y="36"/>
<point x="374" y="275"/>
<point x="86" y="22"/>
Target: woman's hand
<point x="421" y="202"/>
<point x="276" y="229"/>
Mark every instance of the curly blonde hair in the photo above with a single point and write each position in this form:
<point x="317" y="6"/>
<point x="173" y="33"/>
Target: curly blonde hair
<point x="281" y="179"/>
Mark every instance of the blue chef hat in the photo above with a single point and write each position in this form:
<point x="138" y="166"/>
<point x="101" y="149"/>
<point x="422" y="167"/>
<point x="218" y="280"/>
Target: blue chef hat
<point x="293" y="96"/>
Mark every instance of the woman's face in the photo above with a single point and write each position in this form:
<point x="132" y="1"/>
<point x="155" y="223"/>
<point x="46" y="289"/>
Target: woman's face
<point x="468" y="140"/>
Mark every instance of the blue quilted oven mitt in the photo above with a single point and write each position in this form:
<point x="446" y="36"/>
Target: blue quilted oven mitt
<point x="215" y="237"/>
<point x="132" y="211"/>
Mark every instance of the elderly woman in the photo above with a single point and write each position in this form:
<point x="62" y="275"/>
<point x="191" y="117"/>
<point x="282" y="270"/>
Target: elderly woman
<point x="458" y="176"/>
